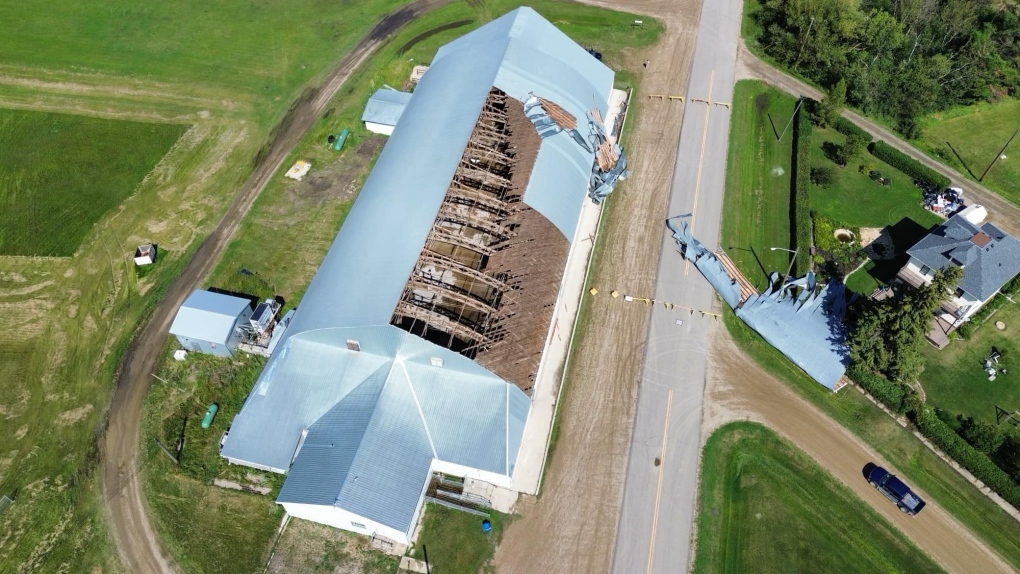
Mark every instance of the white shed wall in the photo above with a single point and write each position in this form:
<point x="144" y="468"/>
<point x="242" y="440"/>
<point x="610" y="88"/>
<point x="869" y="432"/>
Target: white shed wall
<point x="379" y="128"/>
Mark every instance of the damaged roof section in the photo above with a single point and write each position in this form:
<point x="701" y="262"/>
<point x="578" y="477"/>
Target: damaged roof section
<point x="798" y="319"/>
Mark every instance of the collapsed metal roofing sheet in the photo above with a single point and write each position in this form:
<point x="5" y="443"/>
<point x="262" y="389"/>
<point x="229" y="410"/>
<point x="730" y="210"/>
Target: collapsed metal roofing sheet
<point x="208" y="316"/>
<point x="807" y="328"/>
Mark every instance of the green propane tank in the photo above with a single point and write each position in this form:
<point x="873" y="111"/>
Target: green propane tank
<point x="210" y="415"/>
<point x="341" y="139"/>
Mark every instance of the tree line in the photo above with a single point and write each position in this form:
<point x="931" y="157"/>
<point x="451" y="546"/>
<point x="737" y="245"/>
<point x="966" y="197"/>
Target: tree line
<point x="899" y="59"/>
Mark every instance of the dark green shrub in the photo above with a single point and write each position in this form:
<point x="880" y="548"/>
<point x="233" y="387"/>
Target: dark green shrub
<point x="908" y="165"/>
<point x="982" y="467"/>
<point x="889" y="393"/>
<point x="848" y="128"/>
<point x="801" y="180"/>
<point x="823" y="176"/>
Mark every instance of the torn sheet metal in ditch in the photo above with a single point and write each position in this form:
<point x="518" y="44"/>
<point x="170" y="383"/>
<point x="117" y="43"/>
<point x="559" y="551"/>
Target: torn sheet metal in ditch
<point x="801" y="321"/>
<point x="610" y="165"/>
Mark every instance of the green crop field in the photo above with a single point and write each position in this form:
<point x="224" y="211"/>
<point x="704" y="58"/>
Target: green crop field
<point x="765" y="506"/>
<point x="954" y="378"/>
<point x="60" y="174"/>
<point x="978" y="133"/>
<point x="758" y="185"/>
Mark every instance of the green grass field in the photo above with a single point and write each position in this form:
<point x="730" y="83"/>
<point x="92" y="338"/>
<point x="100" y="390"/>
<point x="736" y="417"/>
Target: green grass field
<point x="954" y="378"/>
<point x="977" y="133"/>
<point x="60" y="174"/>
<point x="455" y="541"/>
<point x="758" y="182"/>
<point x="204" y="526"/>
<point x="918" y="465"/>
<point x="765" y="506"/>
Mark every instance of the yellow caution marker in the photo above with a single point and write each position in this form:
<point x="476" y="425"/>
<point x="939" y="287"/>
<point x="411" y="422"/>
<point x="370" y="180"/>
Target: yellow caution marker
<point x="615" y="293"/>
<point x="593" y="291"/>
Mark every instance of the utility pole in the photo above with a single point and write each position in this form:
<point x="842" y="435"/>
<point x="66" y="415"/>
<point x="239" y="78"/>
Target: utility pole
<point x="998" y="155"/>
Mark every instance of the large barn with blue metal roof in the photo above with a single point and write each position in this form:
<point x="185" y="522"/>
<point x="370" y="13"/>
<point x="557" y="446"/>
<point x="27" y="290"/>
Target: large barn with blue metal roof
<point x="416" y="346"/>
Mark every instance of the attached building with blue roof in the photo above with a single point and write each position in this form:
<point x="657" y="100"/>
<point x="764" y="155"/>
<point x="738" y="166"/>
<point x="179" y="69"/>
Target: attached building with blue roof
<point x="417" y="343"/>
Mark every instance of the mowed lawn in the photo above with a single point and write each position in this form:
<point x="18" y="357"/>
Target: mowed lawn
<point x="60" y="174"/>
<point x="856" y="200"/>
<point x="765" y="506"/>
<point x="977" y="133"/>
<point x="455" y="541"/>
<point x="756" y="214"/>
<point x="955" y="380"/>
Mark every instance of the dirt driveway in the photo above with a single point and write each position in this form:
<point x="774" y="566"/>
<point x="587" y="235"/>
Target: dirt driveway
<point x="136" y="541"/>
<point x="572" y="526"/>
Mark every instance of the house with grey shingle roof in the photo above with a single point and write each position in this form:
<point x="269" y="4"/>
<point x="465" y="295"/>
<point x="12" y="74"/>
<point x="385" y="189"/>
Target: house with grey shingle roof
<point x="988" y="256"/>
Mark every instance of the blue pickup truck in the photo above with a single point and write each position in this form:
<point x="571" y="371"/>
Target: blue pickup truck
<point x="895" y="490"/>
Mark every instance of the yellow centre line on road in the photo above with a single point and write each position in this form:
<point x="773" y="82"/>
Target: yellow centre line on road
<point x="701" y="161"/>
<point x="658" y="490"/>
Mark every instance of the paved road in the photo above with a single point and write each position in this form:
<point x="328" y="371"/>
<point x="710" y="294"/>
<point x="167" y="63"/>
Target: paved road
<point x="1004" y="213"/>
<point x="659" y="499"/>
<point x="129" y="522"/>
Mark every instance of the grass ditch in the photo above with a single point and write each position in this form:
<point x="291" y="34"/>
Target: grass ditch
<point x="758" y="180"/>
<point x="765" y="506"/>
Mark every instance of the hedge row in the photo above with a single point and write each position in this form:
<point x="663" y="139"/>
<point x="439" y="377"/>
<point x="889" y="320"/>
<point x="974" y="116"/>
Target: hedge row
<point x="978" y="319"/>
<point x="892" y="395"/>
<point x="908" y="165"/>
<point x="848" y="128"/>
<point x="900" y="400"/>
<point x="982" y="467"/>
<point x="801" y="181"/>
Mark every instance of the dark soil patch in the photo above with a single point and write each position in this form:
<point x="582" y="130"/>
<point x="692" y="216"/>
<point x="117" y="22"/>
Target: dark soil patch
<point x="428" y="33"/>
<point x="338" y="180"/>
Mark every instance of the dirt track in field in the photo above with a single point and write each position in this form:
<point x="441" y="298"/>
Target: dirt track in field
<point x="136" y="542"/>
<point x="572" y="526"/>
<point x="737" y="389"/>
